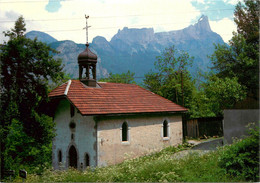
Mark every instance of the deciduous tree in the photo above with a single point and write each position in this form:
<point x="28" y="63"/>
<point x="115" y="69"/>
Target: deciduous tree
<point x="215" y="94"/>
<point x="120" y="78"/>
<point x="27" y="66"/>
<point x="240" y="58"/>
<point x="172" y="79"/>
<point x="247" y="20"/>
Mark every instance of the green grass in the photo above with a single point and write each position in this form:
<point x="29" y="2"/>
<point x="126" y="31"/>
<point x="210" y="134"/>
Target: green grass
<point x="157" y="167"/>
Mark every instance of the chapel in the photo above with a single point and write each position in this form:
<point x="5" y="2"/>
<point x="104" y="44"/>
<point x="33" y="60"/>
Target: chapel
<point x="101" y="123"/>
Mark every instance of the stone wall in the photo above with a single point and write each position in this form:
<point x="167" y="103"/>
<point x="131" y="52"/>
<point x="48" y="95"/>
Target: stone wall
<point x="145" y="135"/>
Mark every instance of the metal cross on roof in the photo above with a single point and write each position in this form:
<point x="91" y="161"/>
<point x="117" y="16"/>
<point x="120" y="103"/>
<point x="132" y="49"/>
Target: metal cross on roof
<point x="86" y="28"/>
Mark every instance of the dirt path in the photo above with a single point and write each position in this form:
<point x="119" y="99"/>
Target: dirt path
<point x="211" y="144"/>
<point x="200" y="148"/>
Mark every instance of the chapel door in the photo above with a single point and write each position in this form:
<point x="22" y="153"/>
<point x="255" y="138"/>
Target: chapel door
<point x="73" y="157"/>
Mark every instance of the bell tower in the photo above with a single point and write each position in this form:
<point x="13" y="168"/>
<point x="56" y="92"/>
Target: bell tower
<point x="87" y="64"/>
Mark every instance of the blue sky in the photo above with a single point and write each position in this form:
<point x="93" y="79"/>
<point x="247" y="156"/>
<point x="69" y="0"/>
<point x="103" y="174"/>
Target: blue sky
<point x="65" y="19"/>
<point x="215" y="10"/>
<point x="53" y="6"/>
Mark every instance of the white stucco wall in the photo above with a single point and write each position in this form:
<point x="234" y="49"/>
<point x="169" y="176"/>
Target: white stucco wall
<point x="84" y="136"/>
<point x="145" y="136"/>
<point x="103" y="140"/>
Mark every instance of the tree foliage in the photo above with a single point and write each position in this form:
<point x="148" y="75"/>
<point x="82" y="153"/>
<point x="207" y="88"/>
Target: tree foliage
<point x="172" y="61"/>
<point x="247" y="20"/>
<point x="120" y="78"/>
<point x="241" y="159"/>
<point x="27" y="66"/>
<point x="174" y="82"/>
<point x="234" y="75"/>
<point x="240" y="58"/>
<point x="214" y="95"/>
<point x="172" y="79"/>
<point x="18" y="30"/>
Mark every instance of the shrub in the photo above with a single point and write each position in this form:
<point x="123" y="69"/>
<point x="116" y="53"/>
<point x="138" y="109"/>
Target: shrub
<point x="24" y="152"/>
<point x="242" y="157"/>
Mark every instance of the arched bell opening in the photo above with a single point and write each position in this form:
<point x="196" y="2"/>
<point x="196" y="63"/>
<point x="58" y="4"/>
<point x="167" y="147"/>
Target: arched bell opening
<point x="87" y="61"/>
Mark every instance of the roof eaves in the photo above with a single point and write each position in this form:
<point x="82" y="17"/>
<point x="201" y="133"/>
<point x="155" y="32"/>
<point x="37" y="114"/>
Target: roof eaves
<point x="136" y="113"/>
<point x="57" y="96"/>
<point x="123" y="115"/>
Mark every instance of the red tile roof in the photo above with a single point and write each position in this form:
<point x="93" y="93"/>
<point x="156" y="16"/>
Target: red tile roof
<point x="114" y="98"/>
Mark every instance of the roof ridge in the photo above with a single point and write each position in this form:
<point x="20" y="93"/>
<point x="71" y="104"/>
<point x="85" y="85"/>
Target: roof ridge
<point x="114" y="83"/>
<point x="67" y="87"/>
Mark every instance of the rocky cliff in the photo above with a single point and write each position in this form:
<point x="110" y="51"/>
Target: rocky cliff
<point x="136" y="49"/>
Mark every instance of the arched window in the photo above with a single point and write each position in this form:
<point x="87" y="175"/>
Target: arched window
<point x="87" y="160"/>
<point x="124" y="132"/>
<point x="165" y="129"/>
<point x="72" y="110"/>
<point x="73" y="157"/>
<point x="60" y="156"/>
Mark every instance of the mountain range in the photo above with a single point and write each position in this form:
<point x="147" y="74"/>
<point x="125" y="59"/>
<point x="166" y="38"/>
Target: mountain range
<point x="136" y="49"/>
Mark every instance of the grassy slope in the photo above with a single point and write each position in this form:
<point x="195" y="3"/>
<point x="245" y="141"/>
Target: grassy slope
<point x="158" y="167"/>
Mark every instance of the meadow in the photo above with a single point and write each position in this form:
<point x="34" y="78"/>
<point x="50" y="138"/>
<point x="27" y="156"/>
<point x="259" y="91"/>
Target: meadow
<point x="231" y="163"/>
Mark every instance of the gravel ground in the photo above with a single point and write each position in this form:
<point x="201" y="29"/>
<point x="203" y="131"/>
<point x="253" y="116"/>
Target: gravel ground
<point x="200" y="148"/>
<point x="183" y="154"/>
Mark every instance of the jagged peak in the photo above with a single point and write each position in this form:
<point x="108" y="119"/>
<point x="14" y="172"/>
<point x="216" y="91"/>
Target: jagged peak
<point x="203" y="23"/>
<point x="100" y="42"/>
<point x="128" y="31"/>
<point x="99" y="39"/>
<point x="203" y="18"/>
<point x="134" y="34"/>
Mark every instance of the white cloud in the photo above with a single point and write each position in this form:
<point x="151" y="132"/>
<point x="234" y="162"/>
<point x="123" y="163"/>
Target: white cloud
<point x="106" y="17"/>
<point x="28" y="9"/>
<point x="200" y="1"/>
<point x="233" y="2"/>
<point x="224" y="28"/>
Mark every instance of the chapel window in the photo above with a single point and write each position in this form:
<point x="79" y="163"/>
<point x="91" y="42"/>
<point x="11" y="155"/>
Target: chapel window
<point x="72" y="110"/>
<point x="165" y="129"/>
<point x="87" y="160"/>
<point x="59" y="156"/>
<point x="124" y="132"/>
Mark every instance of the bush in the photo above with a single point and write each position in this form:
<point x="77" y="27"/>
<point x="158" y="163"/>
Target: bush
<point x="242" y="157"/>
<point x="24" y="152"/>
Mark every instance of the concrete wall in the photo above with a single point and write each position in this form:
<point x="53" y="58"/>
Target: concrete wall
<point x="84" y="136"/>
<point x="236" y="120"/>
<point x="145" y="135"/>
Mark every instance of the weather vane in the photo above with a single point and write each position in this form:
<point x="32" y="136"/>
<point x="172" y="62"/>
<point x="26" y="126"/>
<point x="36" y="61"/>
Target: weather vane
<point x="86" y="27"/>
